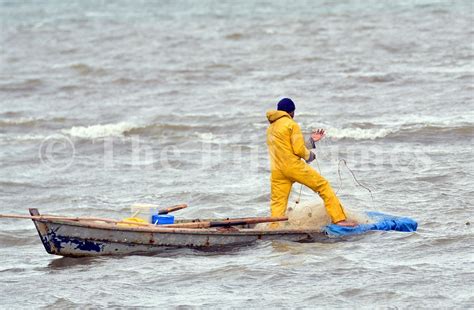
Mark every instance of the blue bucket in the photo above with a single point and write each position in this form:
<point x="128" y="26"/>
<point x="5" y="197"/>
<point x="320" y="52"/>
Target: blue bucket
<point x="162" y="219"/>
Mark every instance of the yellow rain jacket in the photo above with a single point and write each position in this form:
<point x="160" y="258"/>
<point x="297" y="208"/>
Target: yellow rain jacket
<point x="286" y="147"/>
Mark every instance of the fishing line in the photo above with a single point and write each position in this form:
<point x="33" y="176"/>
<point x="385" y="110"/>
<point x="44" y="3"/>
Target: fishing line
<point x="353" y="176"/>
<point x="297" y="201"/>
<point x="341" y="161"/>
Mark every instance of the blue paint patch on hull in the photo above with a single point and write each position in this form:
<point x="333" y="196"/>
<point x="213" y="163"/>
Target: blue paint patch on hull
<point x="59" y="243"/>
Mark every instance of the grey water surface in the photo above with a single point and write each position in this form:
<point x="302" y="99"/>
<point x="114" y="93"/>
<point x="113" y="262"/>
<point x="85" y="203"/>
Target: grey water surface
<point x="108" y="103"/>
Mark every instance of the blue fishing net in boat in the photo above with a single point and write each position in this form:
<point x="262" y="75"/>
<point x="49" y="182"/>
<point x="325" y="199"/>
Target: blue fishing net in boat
<point x="381" y="221"/>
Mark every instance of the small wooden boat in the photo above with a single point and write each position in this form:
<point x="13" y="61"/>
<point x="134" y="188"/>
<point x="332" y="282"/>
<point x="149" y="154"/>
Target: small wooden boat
<point x="74" y="238"/>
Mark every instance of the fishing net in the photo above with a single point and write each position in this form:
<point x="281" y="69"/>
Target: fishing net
<point x="313" y="215"/>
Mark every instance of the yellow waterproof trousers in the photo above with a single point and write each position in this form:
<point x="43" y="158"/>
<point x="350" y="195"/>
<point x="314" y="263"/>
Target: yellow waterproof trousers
<point x="281" y="182"/>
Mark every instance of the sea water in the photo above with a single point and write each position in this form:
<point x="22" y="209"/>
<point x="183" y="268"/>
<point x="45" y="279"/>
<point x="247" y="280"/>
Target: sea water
<point x="105" y="104"/>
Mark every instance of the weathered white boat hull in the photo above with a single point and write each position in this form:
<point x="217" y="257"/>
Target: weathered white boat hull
<point x="69" y="238"/>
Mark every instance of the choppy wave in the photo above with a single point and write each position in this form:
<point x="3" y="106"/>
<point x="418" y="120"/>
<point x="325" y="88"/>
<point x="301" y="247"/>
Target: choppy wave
<point x="377" y="78"/>
<point x="6" y="184"/>
<point x="466" y="130"/>
<point x="127" y="128"/>
<point x="415" y="131"/>
<point x="83" y="69"/>
<point x="234" y="36"/>
<point x="100" y="131"/>
<point x="161" y="127"/>
<point x="355" y="131"/>
<point x="17" y="121"/>
<point x="4" y="138"/>
<point x="369" y="131"/>
<point x="209" y="137"/>
<point x="359" y="133"/>
<point x="27" y="85"/>
<point x="205" y="133"/>
<point x="28" y="121"/>
<point x="13" y="240"/>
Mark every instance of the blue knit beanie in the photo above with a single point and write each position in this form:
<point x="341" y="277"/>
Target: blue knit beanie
<point x="286" y="104"/>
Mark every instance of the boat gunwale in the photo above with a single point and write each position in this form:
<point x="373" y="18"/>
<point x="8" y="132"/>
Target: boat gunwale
<point x="172" y="230"/>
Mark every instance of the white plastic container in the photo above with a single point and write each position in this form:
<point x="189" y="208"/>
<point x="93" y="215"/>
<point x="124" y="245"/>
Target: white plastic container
<point x="144" y="211"/>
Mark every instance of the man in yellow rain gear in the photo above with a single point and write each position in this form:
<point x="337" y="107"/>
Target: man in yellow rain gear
<point x="287" y="149"/>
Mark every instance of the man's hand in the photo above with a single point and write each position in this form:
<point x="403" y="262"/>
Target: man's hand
<point x="317" y="134"/>
<point x="311" y="157"/>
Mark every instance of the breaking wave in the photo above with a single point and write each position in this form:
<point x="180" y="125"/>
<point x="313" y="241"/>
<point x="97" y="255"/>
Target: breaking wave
<point x="123" y="128"/>
<point x="412" y="127"/>
<point x="16" y="122"/>
<point x="126" y="128"/>
<point x="399" y="131"/>
<point x="100" y="131"/>
<point x="359" y="133"/>
<point x="29" y="121"/>
<point x="212" y="132"/>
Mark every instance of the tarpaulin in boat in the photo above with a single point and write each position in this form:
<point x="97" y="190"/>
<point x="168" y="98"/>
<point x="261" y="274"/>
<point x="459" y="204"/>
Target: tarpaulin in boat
<point x="381" y="221"/>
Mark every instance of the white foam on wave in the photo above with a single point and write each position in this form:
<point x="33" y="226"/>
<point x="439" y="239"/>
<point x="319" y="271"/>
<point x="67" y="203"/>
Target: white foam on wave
<point x="205" y="136"/>
<point x="209" y="137"/>
<point x="17" y="121"/>
<point x="359" y="133"/>
<point x="100" y="131"/>
<point x="384" y="126"/>
<point x="28" y="137"/>
<point x="416" y="121"/>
